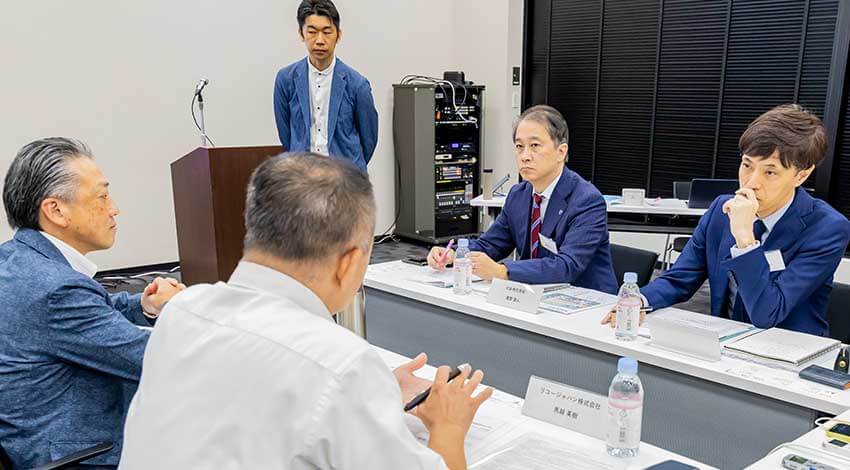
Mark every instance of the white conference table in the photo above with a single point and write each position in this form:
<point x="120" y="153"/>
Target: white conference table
<point x="808" y="445"/>
<point x="498" y="202"/>
<point x="500" y="422"/>
<point x="728" y="413"/>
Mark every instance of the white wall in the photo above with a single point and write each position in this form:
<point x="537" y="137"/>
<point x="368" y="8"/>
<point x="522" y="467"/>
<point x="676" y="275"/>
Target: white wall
<point x="119" y="74"/>
<point x="485" y="30"/>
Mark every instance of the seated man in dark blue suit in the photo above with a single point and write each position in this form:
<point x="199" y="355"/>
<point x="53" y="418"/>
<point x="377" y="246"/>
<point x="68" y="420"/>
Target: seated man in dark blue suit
<point x="556" y="220"/>
<point x="70" y="353"/>
<point x="770" y="251"/>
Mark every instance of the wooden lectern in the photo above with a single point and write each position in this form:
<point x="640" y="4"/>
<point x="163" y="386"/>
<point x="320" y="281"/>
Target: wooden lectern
<point x="209" y="187"/>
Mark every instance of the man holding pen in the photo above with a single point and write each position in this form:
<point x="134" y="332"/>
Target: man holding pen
<point x="556" y="220"/>
<point x="273" y="381"/>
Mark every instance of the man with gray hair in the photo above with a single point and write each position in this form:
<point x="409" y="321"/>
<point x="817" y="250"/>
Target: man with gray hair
<point x="555" y="219"/>
<point x="254" y="373"/>
<point x="70" y="354"/>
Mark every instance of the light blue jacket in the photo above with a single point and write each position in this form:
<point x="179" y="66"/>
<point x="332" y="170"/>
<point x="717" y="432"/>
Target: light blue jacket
<point x="352" y="118"/>
<point x="70" y="356"/>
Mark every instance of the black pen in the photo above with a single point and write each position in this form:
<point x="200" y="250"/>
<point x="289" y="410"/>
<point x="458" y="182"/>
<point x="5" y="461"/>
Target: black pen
<point x="418" y="399"/>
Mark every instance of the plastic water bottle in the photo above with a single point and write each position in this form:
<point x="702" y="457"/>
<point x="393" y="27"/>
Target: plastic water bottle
<point x="625" y="410"/>
<point x="628" y="309"/>
<point x="462" y="269"/>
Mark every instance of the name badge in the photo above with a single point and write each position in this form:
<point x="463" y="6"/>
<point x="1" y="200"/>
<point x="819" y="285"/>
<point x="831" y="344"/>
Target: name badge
<point x="514" y="295"/>
<point x="548" y="243"/>
<point x="572" y="408"/>
<point x="774" y="260"/>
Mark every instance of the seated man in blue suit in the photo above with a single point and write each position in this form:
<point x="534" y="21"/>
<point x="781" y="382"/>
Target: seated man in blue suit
<point x="770" y="250"/>
<point x="70" y="353"/>
<point x="556" y="220"/>
<point x="320" y="103"/>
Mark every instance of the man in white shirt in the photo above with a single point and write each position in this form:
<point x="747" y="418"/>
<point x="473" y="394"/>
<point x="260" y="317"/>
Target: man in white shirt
<point x="254" y="373"/>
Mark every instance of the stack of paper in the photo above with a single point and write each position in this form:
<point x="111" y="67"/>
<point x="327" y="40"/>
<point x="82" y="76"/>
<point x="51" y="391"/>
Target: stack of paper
<point x="668" y="203"/>
<point x="781" y="348"/>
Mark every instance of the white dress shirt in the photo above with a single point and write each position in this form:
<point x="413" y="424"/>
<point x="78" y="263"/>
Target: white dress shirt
<point x="320" y="100"/>
<point x="547" y="194"/>
<point x="254" y="373"/>
<point x="77" y="260"/>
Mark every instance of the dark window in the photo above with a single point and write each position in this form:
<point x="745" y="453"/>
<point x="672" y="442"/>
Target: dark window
<point x="657" y="91"/>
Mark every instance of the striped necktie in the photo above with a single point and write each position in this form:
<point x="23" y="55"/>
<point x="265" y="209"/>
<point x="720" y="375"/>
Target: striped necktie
<point x="536" y="222"/>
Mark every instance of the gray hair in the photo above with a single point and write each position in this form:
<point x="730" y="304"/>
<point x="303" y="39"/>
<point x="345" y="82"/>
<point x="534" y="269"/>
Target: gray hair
<point x="40" y="170"/>
<point x="305" y="206"/>
<point x="550" y="118"/>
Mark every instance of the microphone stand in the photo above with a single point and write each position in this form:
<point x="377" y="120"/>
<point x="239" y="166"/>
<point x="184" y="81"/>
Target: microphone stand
<point x="204" y="138"/>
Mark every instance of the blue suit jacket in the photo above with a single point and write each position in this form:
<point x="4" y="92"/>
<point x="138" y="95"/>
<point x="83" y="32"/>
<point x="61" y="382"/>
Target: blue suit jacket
<point x="811" y="236"/>
<point x="70" y="356"/>
<point x="576" y="220"/>
<point x="352" y="118"/>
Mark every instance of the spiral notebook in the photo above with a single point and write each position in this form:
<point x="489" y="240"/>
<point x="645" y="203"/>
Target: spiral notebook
<point x="782" y="348"/>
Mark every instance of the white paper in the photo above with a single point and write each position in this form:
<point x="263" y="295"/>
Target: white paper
<point x="484" y="426"/>
<point x="571" y="299"/>
<point x="536" y="452"/>
<point x="672" y="202"/>
<point x="782" y="346"/>
<point x="444" y="278"/>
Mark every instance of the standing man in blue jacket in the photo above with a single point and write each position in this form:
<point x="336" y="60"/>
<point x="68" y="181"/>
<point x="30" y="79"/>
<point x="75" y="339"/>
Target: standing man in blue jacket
<point x="321" y="104"/>
<point x="770" y="250"/>
<point x="556" y="220"/>
<point x="70" y="353"/>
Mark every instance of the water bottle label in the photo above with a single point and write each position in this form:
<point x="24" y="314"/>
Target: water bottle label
<point x="462" y="274"/>
<point x="624" y="426"/>
<point x="628" y="316"/>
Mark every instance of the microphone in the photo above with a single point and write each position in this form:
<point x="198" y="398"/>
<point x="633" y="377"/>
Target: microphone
<point x="200" y="86"/>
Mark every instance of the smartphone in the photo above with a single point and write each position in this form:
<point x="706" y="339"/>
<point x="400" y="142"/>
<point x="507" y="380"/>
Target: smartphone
<point x="417" y="260"/>
<point x="840" y="432"/>
<point x="671" y="465"/>
<point x="837" y="446"/>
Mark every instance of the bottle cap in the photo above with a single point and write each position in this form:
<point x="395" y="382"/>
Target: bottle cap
<point x="463" y="242"/>
<point x="627" y="365"/>
<point x="630" y="277"/>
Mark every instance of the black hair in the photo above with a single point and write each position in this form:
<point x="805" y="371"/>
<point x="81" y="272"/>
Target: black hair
<point x="317" y="7"/>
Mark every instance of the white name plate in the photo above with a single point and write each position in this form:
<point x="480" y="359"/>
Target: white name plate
<point x="514" y="295"/>
<point x="684" y="338"/>
<point x="571" y="408"/>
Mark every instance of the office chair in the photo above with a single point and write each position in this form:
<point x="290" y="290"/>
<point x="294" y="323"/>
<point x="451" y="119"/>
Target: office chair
<point x="681" y="190"/>
<point x="65" y="462"/>
<point x="838" y="313"/>
<point x="627" y="259"/>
